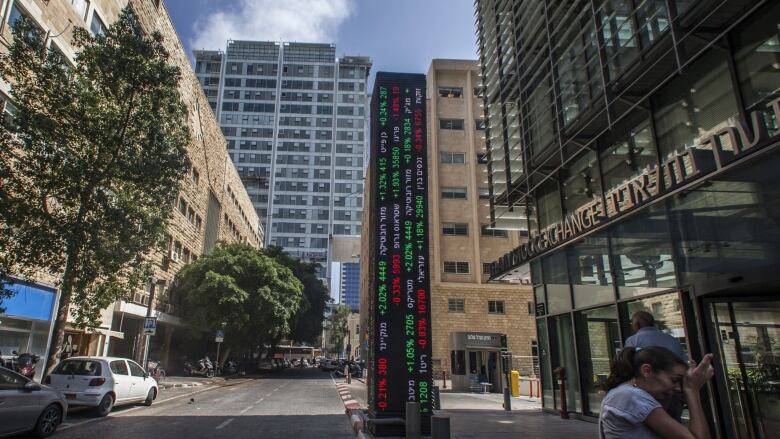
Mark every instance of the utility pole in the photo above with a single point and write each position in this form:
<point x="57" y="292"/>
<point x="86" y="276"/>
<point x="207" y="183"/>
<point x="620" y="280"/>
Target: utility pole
<point x="152" y="291"/>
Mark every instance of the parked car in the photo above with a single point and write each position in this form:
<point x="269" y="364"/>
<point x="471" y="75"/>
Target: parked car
<point x="102" y="383"/>
<point x="266" y="365"/>
<point x="26" y="406"/>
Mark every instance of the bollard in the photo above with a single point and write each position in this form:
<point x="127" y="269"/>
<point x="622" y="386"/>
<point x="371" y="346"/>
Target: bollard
<point x="412" y="420"/>
<point x="507" y="400"/>
<point x="560" y="373"/>
<point x="347" y="374"/>
<point x="440" y="427"/>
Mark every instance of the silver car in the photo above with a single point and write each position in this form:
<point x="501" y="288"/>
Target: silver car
<point x="26" y="406"/>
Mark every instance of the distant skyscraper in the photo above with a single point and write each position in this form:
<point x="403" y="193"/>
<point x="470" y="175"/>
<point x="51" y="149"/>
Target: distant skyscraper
<point x="350" y="285"/>
<point x="294" y="117"/>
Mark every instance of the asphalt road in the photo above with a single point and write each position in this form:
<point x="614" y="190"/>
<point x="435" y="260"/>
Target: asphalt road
<point x="297" y="403"/>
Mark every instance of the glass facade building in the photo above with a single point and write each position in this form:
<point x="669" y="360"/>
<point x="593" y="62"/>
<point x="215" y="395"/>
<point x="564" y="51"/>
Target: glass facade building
<point x="636" y="142"/>
<point x="295" y="120"/>
<point x="350" y="285"/>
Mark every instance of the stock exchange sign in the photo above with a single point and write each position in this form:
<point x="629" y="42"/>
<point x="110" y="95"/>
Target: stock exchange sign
<point x="401" y="338"/>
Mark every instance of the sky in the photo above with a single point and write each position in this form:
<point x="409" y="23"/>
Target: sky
<point x="398" y="35"/>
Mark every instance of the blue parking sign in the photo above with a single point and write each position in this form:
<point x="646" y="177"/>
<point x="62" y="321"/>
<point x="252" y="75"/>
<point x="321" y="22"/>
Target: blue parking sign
<point x="150" y="325"/>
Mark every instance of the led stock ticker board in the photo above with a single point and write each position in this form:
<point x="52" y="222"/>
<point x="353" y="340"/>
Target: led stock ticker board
<point x="401" y="333"/>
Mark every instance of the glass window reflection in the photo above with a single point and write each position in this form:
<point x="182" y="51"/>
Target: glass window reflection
<point x="590" y="272"/>
<point x="581" y="183"/>
<point x="642" y="254"/>
<point x="598" y="341"/>
<point x="557" y="282"/>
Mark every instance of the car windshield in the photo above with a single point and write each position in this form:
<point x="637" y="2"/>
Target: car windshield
<point x="78" y="367"/>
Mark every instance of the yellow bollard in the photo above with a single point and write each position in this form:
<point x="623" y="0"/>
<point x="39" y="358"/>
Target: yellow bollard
<point x="515" y="383"/>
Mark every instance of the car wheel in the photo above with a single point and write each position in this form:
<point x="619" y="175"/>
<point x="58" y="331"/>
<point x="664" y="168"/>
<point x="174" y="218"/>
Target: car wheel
<point x="150" y="397"/>
<point x="105" y="406"/>
<point x="49" y="420"/>
<point x="210" y="374"/>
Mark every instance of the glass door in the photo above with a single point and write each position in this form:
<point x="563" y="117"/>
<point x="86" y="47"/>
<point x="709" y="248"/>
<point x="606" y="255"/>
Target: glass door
<point x="748" y="344"/>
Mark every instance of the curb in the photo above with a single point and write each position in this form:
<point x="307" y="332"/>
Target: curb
<point x="352" y="409"/>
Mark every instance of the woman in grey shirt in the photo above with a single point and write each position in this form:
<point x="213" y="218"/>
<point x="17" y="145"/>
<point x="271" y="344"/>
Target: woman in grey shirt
<point x="641" y="377"/>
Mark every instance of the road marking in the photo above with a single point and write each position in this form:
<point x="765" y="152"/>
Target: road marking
<point x="246" y="410"/>
<point x="259" y="401"/>
<point x="270" y="394"/>
<point x="222" y="425"/>
<point x="276" y="389"/>
<point x="68" y="425"/>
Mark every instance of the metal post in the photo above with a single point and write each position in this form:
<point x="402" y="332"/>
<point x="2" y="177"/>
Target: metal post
<point x="560" y="373"/>
<point x="507" y="400"/>
<point x="444" y="378"/>
<point x="153" y="289"/>
<point x="216" y="361"/>
<point x="412" y="420"/>
<point x="440" y="427"/>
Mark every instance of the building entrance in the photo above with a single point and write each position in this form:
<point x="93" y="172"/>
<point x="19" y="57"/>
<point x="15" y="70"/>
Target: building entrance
<point x="747" y="335"/>
<point x="476" y="362"/>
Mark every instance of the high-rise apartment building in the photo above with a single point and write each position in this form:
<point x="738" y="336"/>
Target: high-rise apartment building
<point x="295" y="120"/>
<point x="638" y="143"/>
<point x="350" y="285"/>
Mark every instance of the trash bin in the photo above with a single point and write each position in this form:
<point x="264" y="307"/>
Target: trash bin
<point x="515" y="383"/>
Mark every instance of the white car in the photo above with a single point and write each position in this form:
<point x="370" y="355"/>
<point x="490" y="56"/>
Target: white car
<point x="102" y="382"/>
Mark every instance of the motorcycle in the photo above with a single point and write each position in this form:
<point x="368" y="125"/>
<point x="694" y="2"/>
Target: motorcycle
<point x="204" y="368"/>
<point x="25" y="364"/>
<point x="230" y="367"/>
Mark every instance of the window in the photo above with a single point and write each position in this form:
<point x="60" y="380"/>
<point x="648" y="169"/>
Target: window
<point x="479" y="124"/>
<point x="486" y="230"/>
<point x="451" y="124"/>
<point x="78" y="367"/>
<point x="81" y="7"/>
<point x="452" y="158"/>
<point x="450" y="92"/>
<point x="484" y="194"/>
<point x="456" y="267"/>
<point x="97" y="27"/>
<point x="453" y="193"/>
<point x="456" y="305"/>
<point x="195" y="175"/>
<point x="10" y="380"/>
<point x="119" y="367"/>
<point x="531" y="310"/>
<point x="495" y="306"/>
<point x="182" y="207"/>
<point x="482" y="158"/>
<point x="455" y="229"/>
<point x="176" y="253"/>
<point x="486" y="268"/>
<point x="135" y="369"/>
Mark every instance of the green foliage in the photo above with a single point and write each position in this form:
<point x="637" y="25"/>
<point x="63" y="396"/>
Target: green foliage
<point x="91" y="164"/>
<point x="337" y="326"/>
<point x="255" y="297"/>
<point x="307" y="326"/>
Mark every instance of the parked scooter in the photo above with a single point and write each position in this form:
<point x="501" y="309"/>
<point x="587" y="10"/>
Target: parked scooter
<point x="204" y="367"/>
<point x="25" y="364"/>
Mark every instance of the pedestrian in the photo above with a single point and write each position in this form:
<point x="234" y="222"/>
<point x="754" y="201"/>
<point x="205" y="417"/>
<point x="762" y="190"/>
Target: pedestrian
<point x="646" y="335"/>
<point x="642" y="377"/>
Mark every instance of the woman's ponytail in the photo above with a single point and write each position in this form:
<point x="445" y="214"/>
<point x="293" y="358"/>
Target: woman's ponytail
<point x="621" y="369"/>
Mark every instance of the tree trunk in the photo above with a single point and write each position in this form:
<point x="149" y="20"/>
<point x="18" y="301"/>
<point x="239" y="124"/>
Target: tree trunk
<point x="58" y="331"/>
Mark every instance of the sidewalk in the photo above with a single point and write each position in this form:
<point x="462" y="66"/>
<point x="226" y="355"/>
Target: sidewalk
<point x="475" y="415"/>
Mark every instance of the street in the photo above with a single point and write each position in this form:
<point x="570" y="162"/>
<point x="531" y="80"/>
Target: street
<point x="295" y="403"/>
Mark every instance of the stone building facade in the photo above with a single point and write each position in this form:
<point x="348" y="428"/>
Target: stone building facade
<point x="212" y="206"/>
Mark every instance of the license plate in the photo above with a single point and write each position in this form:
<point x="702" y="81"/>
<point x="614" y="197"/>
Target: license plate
<point x="70" y="396"/>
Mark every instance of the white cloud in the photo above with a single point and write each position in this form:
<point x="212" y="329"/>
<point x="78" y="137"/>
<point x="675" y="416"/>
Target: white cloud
<point x="314" y="21"/>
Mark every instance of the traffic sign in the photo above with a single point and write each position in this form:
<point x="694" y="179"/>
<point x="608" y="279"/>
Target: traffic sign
<point x="220" y="336"/>
<point x="150" y="325"/>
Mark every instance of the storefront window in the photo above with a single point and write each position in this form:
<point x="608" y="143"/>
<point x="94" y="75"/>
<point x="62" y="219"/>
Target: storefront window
<point x="695" y="105"/>
<point x="729" y="226"/>
<point x="598" y="341"/>
<point x="557" y="282"/>
<point x="642" y="254"/>
<point x="562" y="344"/>
<point x="581" y="182"/>
<point x="590" y="272"/>
<point x="666" y="312"/>
<point x="758" y="53"/>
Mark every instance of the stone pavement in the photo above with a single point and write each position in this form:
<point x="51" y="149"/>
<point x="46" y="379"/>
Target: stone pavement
<point x="475" y="415"/>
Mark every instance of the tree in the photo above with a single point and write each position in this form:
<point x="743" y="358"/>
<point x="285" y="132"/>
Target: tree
<point x="90" y="165"/>
<point x="337" y="327"/>
<point x="307" y="326"/>
<point x="239" y="288"/>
